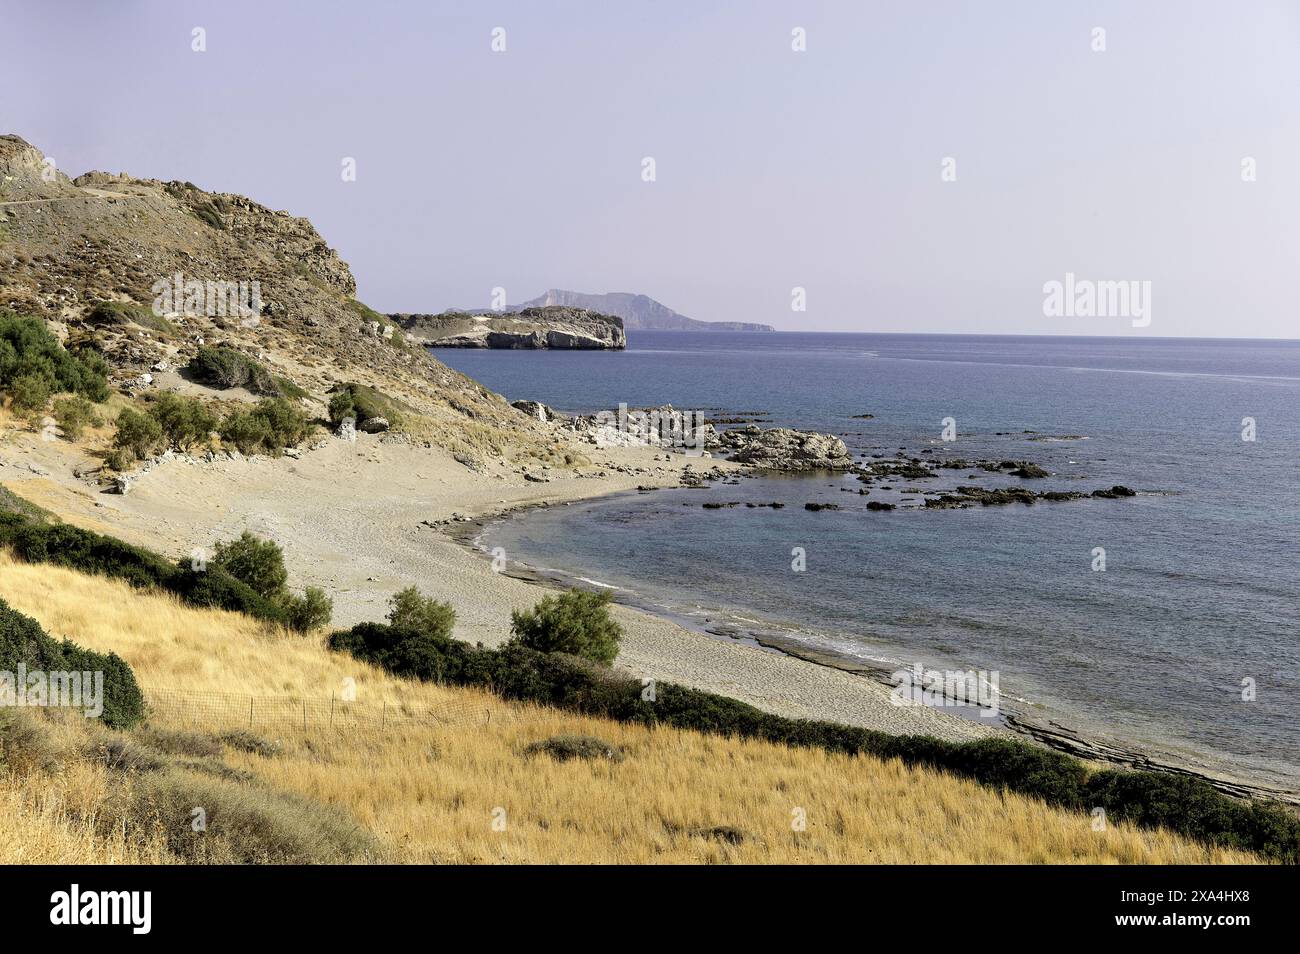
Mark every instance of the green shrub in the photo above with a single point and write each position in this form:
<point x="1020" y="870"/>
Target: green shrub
<point x="23" y="641"/>
<point x="361" y="403"/>
<point x="256" y="562"/>
<point x="286" y="425"/>
<point x="30" y="391"/>
<point x="72" y="414"/>
<point x="271" y="426"/>
<point x="138" y="434"/>
<point x="36" y="541"/>
<point x="28" y="350"/>
<point x="410" y="611"/>
<point x="248" y="432"/>
<point x="575" y="622"/>
<point x="223" y="367"/>
<point x="309" y="611"/>
<point x="184" y="421"/>
<point x="119" y="459"/>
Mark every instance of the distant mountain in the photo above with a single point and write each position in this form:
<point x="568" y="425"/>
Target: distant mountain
<point x="639" y="312"/>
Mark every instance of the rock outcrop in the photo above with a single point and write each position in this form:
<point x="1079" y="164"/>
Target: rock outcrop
<point x="530" y="328"/>
<point x="782" y="448"/>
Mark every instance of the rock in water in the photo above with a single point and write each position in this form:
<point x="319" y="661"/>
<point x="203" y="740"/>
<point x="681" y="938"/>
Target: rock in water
<point x="782" y="448"/>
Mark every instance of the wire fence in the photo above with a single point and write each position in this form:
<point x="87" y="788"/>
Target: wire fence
<point x="235" y="710"/>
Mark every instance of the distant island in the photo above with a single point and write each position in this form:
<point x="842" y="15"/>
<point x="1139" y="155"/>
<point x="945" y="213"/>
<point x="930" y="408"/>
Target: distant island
<point x="639" y="312"/>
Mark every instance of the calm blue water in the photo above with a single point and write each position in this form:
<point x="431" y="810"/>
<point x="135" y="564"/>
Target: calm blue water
<point x="1201" y="587"/>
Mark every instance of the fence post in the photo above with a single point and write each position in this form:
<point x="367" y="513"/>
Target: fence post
<point x="383" y="717"/>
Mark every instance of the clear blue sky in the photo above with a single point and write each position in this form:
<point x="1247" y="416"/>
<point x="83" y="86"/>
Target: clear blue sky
<point x="775" y="169"/>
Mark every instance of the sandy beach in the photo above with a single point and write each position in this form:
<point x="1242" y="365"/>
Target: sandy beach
<point x="355" y="519"/>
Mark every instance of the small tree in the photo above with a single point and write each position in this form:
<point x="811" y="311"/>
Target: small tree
<point x="310" y="611"/>
<point x="73" y="414"/>
<point x="575" y="622"/>
<point x="184" y="421"/>
<point x="257" y="562"/>
<point x="137" y="433"/>
<point x="31" y="392"/>
<point x="414" y="613"/>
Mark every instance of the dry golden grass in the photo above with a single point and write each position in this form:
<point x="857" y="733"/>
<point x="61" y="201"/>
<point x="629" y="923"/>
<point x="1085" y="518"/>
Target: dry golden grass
<point x="433" y="794"/>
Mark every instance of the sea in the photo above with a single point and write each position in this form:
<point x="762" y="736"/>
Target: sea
<point x="1166" y="622"/>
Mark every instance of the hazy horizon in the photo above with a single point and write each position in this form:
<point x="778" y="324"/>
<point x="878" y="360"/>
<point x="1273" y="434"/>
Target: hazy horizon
<point x="822" y="169"/>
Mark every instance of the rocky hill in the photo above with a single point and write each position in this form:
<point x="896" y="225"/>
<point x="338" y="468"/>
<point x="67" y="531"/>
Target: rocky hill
<point x="639" y="312"/>
<point x="541" y="327"/>
<point x="98" y="256"/>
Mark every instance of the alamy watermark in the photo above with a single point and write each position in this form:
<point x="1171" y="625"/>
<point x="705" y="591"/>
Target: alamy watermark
<point x="36" y="688"/>
<point x="1085" y="298"/>
<point x="961" y="688"/>
<point x="663" y="426"/>
<point x="206" y="298"/>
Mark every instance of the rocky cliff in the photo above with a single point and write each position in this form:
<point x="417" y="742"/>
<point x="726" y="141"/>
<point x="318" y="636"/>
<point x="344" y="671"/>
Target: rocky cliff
<point x="639" y="312"/>
<point x="68" y="246"/>
<point x="543" y="327"/>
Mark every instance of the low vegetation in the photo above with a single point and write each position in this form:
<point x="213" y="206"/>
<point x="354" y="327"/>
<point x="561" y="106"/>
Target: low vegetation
<point x="268" y="427"/>
<point x="567" y="680"/>
<point x="221" y="366"/>
<point x="73" y="414"/>
<point x="431" y="793"/>
<point x="121" y="313"/>
<point x="361" y="403"/>
<point x="223" y="583"/>
<point x="24" y="643"/>
<point x="34" y="365"/>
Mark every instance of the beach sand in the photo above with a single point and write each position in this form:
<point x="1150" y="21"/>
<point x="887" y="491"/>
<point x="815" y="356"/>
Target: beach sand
<point x="351" y="518"/>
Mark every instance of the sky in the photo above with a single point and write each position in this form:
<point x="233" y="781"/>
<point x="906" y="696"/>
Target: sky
<point x="917" y="167"/>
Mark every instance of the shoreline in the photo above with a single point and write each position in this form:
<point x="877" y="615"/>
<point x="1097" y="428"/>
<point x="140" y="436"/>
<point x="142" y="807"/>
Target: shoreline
<point x="365" y="520"/>
<point x="1012" y="719"/>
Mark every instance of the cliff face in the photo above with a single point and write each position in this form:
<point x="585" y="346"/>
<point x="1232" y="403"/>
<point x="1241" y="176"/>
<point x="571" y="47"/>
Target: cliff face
<point x="639" y="312"/>
<point x="545" y="327"/>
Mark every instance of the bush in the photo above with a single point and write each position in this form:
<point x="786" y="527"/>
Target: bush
<point x="258" y="563"/>
<point x="29" y="351"/>
<point x="247" y="432"/>
<point x="72" y="414"/>
<point x="412" y="612"/>
<point x="310" y="611"/>
<point x="22" y="641"/>
<point x="271" y="426"/>
<point x="574" y="622"/>
<point x="30" y="391"/>
<point x="33" y="540"/>
<point x="184" y="421"/>
<point x="139" y="435"/>
<point x="223" y="367"/>
<point x="361" y="403"/>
